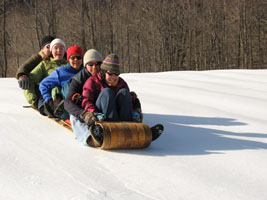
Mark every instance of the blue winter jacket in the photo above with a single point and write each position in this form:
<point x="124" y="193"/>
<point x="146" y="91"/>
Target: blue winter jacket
<point x="57" y="78"/>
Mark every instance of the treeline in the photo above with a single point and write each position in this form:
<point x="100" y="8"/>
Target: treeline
<point x="148" y="35"/>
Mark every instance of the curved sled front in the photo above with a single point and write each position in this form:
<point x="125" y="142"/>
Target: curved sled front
<point x="124" y="135"/>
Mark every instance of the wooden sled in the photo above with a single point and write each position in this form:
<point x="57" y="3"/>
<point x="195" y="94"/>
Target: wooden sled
<point x="122" y="135"/>
<point x="57" y="120"/>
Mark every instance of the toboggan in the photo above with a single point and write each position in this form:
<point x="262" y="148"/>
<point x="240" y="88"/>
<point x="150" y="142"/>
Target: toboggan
<point x="123" y="135"/>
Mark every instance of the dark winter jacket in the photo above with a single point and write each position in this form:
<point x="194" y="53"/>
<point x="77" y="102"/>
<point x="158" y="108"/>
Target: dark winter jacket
<point x="76" y="86"/>
<point x="29" y="65"/>
<point x="92" y="88"/>
<point x="57" y="78"/>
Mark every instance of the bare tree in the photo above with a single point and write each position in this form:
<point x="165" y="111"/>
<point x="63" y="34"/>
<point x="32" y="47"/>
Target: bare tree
<point x="4" y="41"/>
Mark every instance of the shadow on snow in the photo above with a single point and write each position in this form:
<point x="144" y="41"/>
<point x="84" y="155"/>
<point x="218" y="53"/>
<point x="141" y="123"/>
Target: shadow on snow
<point x="182" y="136"/>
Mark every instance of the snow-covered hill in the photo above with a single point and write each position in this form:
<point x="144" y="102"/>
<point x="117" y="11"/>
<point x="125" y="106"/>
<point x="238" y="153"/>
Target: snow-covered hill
<point x="214" y="145"/>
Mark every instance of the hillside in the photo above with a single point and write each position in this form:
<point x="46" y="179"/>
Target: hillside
<point x="214" y="145"/>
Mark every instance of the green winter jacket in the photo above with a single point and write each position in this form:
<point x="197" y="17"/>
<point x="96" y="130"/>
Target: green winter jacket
<point x="29" y="65"/>
<point x="41" y="71"/>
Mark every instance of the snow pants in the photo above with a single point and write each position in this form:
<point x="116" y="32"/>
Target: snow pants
<point x="115" y="107"/>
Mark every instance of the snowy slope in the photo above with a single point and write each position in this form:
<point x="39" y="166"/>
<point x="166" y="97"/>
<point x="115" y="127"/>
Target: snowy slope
<point x="214" y="145"/>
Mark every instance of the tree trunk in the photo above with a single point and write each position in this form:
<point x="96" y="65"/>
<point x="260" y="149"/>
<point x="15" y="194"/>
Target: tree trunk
<point x="83" y="10"/>
<point x="36" y="23"/>
<point x="4" y="36"/>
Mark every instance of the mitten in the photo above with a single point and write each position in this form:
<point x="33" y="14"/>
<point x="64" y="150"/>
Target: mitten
<point x="24" y="82"/>
<point x="89" y="117"/>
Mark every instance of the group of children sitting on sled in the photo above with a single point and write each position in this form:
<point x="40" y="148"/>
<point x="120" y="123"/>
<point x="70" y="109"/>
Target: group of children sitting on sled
<point x="80" y="88"/>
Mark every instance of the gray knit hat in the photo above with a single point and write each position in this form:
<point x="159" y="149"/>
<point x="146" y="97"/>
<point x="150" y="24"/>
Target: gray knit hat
<point x="91" y="55"/>
<point x="111" y="63"/>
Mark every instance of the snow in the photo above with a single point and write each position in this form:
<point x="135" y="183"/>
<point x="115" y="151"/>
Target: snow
<point x="214" y="145"/>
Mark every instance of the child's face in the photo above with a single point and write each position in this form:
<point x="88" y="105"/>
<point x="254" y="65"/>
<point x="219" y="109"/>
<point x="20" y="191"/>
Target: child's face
<point x="112" y="78"/>
<point x="75" y="61"/>
<point x="58" y="51"/>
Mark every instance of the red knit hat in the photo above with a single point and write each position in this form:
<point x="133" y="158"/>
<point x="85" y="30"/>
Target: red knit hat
<point x="74" y="50"/>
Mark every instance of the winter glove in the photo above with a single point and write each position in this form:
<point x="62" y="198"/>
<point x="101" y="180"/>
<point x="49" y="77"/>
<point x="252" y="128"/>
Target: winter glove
<point x="24" y="82"/>
<point x="89" y="117"/>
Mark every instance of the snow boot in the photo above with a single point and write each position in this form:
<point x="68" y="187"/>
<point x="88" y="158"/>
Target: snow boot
<point x="97" y="133"/>
<point x="156" y="131"/>
<point x="59" y="108"/>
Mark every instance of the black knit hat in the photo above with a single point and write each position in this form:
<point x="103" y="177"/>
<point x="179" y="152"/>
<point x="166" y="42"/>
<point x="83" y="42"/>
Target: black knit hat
<point x="46" y="39"/>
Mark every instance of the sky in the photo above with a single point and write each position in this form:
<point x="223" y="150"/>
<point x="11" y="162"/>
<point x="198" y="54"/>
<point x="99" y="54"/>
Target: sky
<point x="214" y="144"/>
